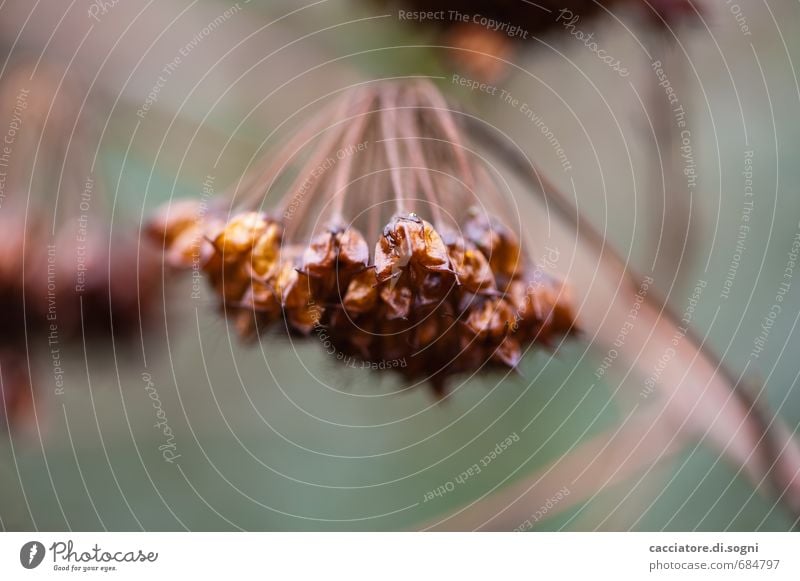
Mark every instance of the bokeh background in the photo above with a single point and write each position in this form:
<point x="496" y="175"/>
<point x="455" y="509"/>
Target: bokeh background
<point x="278" y="436"/>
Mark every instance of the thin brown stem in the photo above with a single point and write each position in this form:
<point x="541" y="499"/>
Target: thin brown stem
<point x="388" y="116"/>
<point x="410" y="131"/>
<point x="257" y="182"/>
<point x="444" y="119"/>
<point x="306" y="184"/>
<point x="352" y="137"/>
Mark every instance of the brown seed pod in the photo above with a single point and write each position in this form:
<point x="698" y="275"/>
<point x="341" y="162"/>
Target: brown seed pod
<point x="491" y="318"/>
<point x="473" y="270"/>
<point x="409" y="242"/>
<point x="239" y="235"/>
<point x="336" y="249"/>
<point x="303" y="312"/>
<point x="362" y="293"/>
<point x="266" y="253"/>
<point x="499" y="244"/>
<point x="173" y="219"/>
<point x="398" y="300"/>
<point x="262" y="297"/>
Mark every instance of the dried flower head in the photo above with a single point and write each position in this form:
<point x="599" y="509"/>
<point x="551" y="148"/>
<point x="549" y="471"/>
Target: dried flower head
<point x="383" y="240"/>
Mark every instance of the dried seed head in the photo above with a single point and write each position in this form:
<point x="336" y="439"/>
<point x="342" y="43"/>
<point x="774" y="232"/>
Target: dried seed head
<point x="435" y="299"/>
<point x="361" y="293"/>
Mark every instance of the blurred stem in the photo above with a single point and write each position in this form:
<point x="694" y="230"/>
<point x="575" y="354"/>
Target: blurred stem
<point x="699" y="392"/>
<point x="605" y="460"/>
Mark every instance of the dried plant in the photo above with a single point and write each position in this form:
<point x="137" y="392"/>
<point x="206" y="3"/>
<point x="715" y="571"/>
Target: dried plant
<point x="376" y="243"/>
<point x="448" y="286"/>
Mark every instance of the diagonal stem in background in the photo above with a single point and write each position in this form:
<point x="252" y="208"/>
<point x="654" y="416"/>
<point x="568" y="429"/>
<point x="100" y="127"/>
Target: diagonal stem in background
<point x="702" y="395"/>
<point x="603" y="461"/>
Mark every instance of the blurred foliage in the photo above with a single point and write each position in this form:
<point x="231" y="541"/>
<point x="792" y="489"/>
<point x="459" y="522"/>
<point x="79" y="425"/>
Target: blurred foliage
<point x="255" y="451"/>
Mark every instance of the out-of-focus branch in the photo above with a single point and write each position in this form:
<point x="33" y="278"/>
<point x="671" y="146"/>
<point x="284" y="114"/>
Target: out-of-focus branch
<point x="605" y="460"/>
<point x="699" y="393"/>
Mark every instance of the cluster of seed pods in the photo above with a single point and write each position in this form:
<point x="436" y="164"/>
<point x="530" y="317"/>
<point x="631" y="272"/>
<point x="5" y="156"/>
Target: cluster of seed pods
<point x="424" y="304"/>
<point x="443" y="288"/>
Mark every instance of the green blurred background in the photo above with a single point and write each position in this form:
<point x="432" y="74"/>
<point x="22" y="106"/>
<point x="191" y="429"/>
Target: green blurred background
<point x="278" y="436"/>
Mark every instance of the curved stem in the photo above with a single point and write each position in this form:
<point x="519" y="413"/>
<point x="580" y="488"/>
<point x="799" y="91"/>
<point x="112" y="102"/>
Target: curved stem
<point x="699" y="387"/>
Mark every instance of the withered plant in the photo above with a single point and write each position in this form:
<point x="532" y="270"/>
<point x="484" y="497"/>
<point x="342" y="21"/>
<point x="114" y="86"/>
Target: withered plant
<point x="378" y="242"/>
<point x="391" y="233"/>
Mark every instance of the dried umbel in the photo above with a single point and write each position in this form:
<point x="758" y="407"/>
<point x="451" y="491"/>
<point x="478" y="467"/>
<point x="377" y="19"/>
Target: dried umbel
<point x="393" y="241"/>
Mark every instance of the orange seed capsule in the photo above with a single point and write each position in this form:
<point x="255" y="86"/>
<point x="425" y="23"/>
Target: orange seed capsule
<point x="240" y="234"/>
<point x="361" y="293"/>
<point x="265" y="256"/>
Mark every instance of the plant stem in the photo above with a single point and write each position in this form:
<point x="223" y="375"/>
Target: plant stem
<point x="698" y="387"/>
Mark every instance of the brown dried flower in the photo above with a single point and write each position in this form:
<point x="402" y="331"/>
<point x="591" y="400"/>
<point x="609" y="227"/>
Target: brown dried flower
<point x="439" y="295"/>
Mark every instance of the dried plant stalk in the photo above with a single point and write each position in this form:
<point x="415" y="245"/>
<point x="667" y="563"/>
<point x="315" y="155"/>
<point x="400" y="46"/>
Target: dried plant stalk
<point x="606" y="460"/>
<point x="695" y="390"/>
